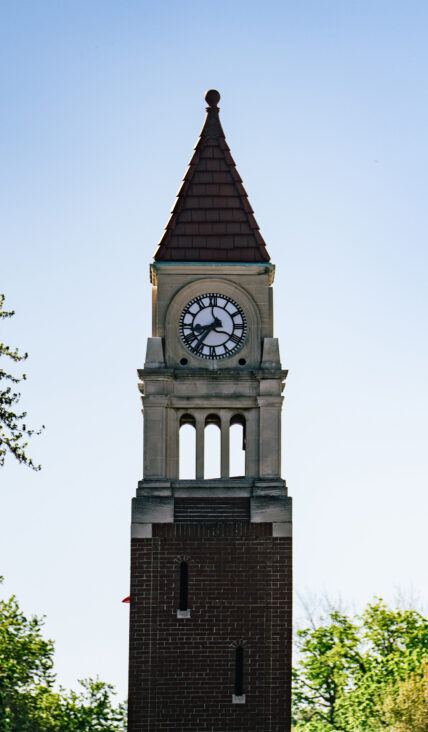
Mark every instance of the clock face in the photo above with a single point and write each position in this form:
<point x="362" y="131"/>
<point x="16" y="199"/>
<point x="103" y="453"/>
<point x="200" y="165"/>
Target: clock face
<point x="213" y="326"/>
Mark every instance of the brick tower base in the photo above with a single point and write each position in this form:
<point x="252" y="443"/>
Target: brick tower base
<point x="182" y="669"/>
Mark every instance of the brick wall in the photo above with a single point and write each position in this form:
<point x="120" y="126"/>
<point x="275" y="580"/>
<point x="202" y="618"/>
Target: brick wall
<point x="182" y="670"/>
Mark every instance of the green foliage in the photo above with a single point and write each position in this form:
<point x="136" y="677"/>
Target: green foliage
<point x="25" y="665"/>
<point x="13" y="430"/>
<point x="28" y="701"/>
<point x="92" y="709"/>
<point x="353" y="672"/>
<point x="406" y="708"/>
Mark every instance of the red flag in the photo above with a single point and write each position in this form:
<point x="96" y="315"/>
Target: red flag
<point x="127" y="599"/>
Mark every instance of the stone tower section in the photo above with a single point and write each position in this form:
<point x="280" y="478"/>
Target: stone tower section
<point x="210" y="623"/>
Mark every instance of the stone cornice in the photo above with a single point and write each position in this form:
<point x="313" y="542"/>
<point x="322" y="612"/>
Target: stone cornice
<point x="210" y="269"/>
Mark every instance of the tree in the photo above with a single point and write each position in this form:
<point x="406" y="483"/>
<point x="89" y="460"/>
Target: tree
<point x="13" y="430"/>
<point x="355" y="674"/>
<point x="406" y="707"/>
<point x="92" y="709"/>
<point x="329" y="658"/>
<point x="25" y="663"/>
<point x="28" y="700"/>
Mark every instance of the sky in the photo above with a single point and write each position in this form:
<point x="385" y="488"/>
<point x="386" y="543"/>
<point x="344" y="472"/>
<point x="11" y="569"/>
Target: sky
<point x="324" y="108"/>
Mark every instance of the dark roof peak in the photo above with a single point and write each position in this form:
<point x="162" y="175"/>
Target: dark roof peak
<point x="212" y="220"/>
<point x="212" y="97"/>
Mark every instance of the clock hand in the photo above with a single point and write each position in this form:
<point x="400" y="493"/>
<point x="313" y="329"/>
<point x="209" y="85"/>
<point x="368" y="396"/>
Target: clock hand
<point x="206" y="331"/>
<point x="222" y="331"/>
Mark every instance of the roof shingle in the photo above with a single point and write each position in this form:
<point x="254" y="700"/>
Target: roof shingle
<point x="212" y="220"/>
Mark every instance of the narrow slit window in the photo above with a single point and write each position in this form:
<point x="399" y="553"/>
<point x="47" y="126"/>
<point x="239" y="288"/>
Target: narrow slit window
<point x="239" y="671"/>
<point x="184" y="586"/>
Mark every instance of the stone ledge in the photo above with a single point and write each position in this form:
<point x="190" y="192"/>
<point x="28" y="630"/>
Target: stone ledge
<point x="213" y="268"/>
<point x="274" y="487"/>
<point x="152" y="510"/>
<point x="148" y="510"/>
<point x="154" y="488"/>
<point x="271" y="509"/>
<point x="242" y="373"/>
<point x="214" y="487"/>
<point x="212" y="492"/>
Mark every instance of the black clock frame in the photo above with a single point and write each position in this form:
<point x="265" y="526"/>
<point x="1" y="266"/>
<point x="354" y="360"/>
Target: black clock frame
<point x="192" y="335"/>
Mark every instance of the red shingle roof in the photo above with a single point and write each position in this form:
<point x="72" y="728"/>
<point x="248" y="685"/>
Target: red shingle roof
<point x="212" y="220"/>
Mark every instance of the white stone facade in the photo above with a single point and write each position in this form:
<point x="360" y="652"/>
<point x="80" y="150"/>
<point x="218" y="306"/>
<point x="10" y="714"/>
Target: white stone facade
<point x="178" y="387"/>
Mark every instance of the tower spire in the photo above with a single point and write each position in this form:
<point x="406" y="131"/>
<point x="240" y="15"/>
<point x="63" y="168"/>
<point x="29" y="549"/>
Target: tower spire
<point x="212" y="125"/>
<point x="212" y="220"/>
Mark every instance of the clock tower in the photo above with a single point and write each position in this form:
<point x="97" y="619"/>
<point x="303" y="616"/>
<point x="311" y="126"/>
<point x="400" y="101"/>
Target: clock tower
<point x="210" y="623"/>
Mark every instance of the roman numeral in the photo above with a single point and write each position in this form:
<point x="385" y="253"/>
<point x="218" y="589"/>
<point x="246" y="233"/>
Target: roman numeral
<point x="234" y="338"/>
<point x="212" y="352"/>
<point x="199" y="347"/>
<point x="213" y="300"/>
<point x="188" y="338"/>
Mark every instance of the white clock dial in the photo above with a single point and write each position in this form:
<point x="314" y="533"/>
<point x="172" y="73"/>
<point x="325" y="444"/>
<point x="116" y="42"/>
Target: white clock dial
<point x="213" y="326"/>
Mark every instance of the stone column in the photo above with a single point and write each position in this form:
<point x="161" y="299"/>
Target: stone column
<point x="270" y="436"/>
<point x="172" y="444"/>
<point x="252" y="443"/>
<point x="155" y="437"/>
<point x="200" y="444"/>
<point x="225" y="435"/>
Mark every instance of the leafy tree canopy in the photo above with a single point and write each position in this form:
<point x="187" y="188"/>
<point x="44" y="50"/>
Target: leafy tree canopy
<point x="28" y="700"/>
<point x="14" y="432"/>
<point x="363" y="674"/>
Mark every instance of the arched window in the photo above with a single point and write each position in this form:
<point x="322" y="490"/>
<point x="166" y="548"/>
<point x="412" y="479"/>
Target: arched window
<point x="184" y="586"/>
<point x="237" y="446"/>
<point x="212" y="447"/>
<point x="239" y="671"/>
<point x="187" y="440"/>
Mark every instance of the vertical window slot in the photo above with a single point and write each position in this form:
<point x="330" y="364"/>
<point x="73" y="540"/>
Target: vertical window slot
<point x="183" y="609"/>
<point x="239" y="697"/>
<point x="239" y="671"/>
<point x="184" y="586"/>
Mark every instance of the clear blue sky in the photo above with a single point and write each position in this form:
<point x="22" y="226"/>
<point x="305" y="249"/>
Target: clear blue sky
<point x="324" y="108"/>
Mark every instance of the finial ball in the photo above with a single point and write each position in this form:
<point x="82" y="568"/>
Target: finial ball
<point x="212" y="97"/>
